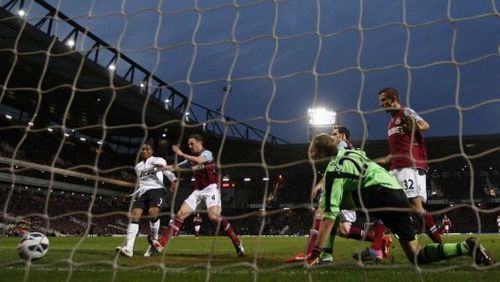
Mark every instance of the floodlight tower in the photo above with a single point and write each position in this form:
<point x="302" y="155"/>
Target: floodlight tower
<point x="321" y="120"/>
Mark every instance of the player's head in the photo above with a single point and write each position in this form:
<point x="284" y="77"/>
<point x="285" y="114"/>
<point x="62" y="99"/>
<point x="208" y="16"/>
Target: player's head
<point x="198" y="215"/>
<point x="389" y="99"/>
<point x="195" y="143"/>
<point x="147" y="150"/>
<point x="322" y="146"/>
<point x="340" y="133"/>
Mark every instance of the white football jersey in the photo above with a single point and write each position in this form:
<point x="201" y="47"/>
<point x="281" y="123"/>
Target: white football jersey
<point x="148" y="177"/>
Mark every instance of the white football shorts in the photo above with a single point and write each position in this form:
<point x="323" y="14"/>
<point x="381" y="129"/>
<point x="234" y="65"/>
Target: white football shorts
<point x="413" y="181"/>
<point x="347" y="216"/>
<point x="210" y="195"/>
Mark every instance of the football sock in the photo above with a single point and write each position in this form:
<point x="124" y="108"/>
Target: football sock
<point x="313" y="234"/>
<point x="154" y="227"/>
<point x="328" y="248"/>
<point x="431" y="228"/>
<point x="132" y="230"/>
<point x="437" y="252"/>
<point x="378" y="233"/>
<point x="171" y="230"/>
<point x="360" y="234"/>
<point x="229" y="231"/>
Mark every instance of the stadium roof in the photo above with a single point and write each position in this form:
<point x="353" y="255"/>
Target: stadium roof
<point x="41" y="75"/>
<point x="36" y="82"/>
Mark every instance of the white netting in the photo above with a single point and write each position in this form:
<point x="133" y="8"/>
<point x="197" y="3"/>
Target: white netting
<point x="84" y="83"/>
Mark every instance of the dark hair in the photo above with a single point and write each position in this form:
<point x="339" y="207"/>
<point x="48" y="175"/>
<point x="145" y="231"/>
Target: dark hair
<point x="390" y="92"/>
<point x="151" y="143"/>
<point x="197" y="137"/>
<point x="343" y="130"/>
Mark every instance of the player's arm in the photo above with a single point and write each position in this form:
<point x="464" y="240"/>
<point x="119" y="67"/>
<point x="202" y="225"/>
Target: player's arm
<point x="414" y="122"/>
<point x="317" y="188"/>
<point x="196" y="159"/>
<point x="383" y="160"/>
<point x="161" y="165"/>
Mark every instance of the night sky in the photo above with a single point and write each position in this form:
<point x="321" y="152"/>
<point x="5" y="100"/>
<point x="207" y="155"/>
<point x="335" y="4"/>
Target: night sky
<point x="282" y="57"/>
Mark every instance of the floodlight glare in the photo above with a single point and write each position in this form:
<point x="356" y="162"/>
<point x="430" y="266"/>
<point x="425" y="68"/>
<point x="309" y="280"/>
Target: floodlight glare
<point x="70" y="43"/>
<point x="321" y="117"/>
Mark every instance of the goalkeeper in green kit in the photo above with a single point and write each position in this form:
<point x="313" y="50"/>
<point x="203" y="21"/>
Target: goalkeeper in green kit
<point x="353" y="181"/>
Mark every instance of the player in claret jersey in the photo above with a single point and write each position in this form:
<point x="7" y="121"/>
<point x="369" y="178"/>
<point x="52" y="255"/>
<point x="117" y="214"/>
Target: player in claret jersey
<point x="380" y="243"/>
<point x="353" y="180"/>
<point x="446" y="224"/>
<point x="408" y="156"/>
<point x="201" y="161"/>
<point x="149" y="195"/>
<point x="197" y="220"/>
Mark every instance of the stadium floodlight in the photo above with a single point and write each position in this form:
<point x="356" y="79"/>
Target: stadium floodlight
<point x="21" y="13"/>
<point x="50" y="129"/>
<point x="247" y="179"/>
<point x="265" y="178"/>
<point x="83" y="139"/>
<point x="70" y="43"/>
<point x="7" y="116"/>
<point x="142" y="85"/>
<point x="321" y="117"/>
<point x="321" y="120"/>
<point x="112" y="67"/>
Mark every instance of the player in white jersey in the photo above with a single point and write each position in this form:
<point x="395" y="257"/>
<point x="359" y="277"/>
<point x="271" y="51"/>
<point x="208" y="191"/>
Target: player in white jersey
<point x="150" y="195"/>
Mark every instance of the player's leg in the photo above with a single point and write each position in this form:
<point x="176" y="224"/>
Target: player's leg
<point x="414" y="183"/>
<point x="393" y="216"/>
<point x="400" y="224"/>
<point x="327" y="251"/>
<point x="324" y="231"/>
<point x="416" y="205"/>
<point x="443" y="251"/>
<point x="214" y="208"/>
<point x="154" y="222"/>
<point x="132" y="230"/>
<point x="197" y="231"/>
<point x="155" y="205"/>
<point x="348" y="217"/>
<point x="187" y="208"/>
<point x="154" y="227"/>
<point x="314" y="231"/>
<point x="311" y="241"/>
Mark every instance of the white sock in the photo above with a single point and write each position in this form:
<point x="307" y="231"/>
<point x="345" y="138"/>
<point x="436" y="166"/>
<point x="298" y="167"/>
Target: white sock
<point x="132" y="230"/>
<point x="154" y="228"/>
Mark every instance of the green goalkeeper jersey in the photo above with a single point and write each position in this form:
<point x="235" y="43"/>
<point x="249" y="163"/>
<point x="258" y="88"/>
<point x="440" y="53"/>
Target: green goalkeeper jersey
<point x="349" y="170"/>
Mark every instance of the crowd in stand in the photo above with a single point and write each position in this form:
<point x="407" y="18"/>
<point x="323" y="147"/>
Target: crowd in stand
<point x="66" y="214"/>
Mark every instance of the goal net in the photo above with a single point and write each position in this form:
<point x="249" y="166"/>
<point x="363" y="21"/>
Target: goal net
<point x="84" y="84"/>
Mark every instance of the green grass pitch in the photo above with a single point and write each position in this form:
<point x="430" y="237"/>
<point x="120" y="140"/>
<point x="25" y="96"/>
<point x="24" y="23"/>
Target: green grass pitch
<point x="214" y="259"/>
